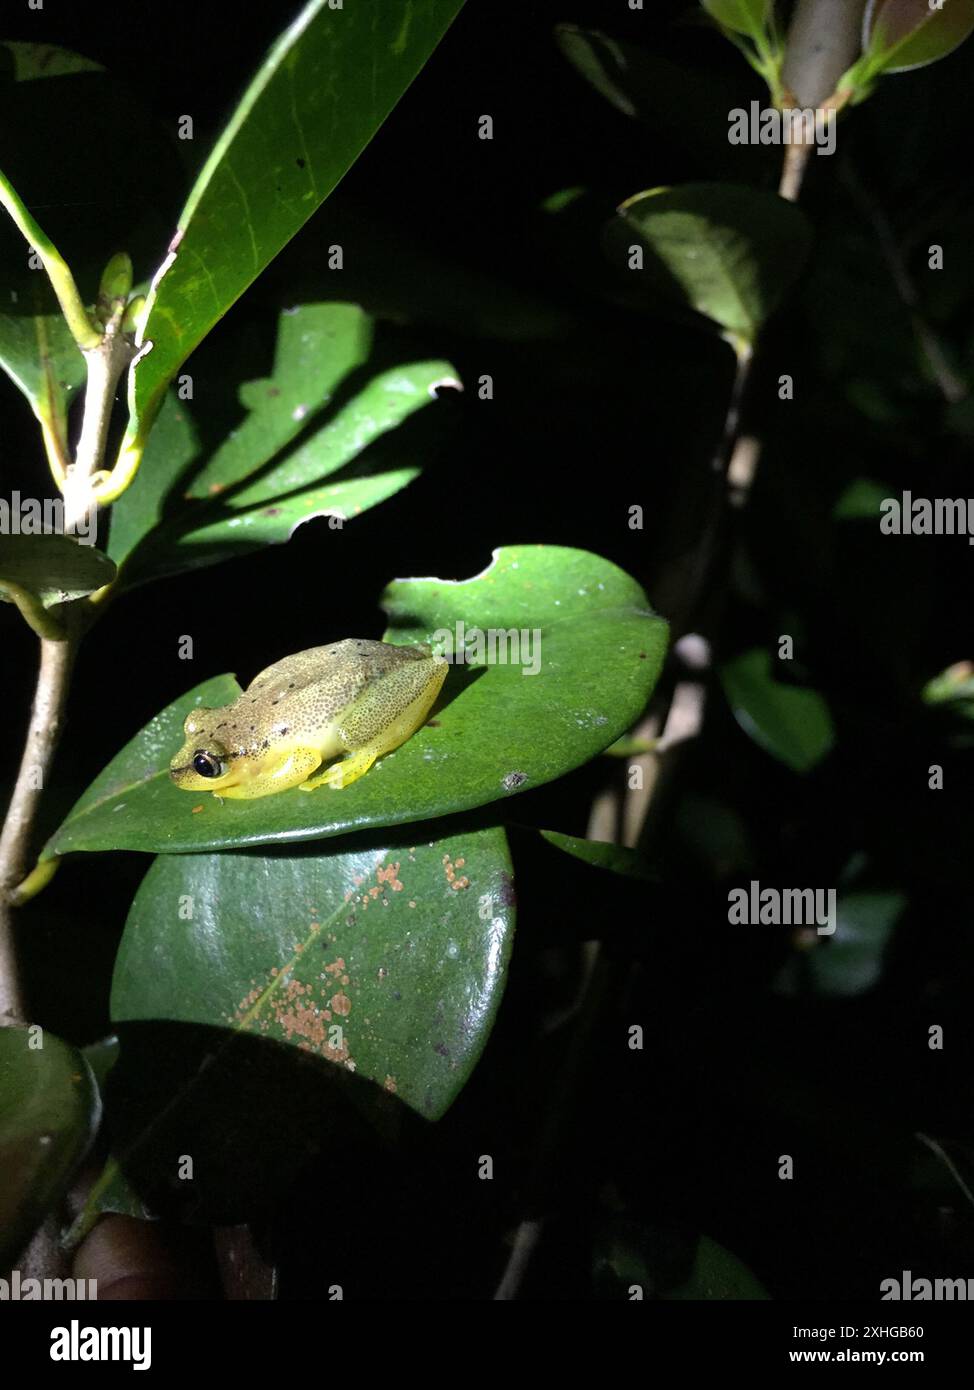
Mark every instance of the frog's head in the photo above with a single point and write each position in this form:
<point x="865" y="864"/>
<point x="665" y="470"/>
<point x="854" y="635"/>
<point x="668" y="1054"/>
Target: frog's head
<point x="204" y="763"/>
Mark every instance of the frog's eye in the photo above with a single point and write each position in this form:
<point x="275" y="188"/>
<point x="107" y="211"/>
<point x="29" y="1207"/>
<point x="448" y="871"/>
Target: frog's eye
<point x="205" y="765"/>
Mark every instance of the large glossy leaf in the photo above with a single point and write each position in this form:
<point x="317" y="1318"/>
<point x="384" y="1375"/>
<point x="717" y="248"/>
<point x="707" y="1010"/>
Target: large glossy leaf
<point x="304" y="119"/>
<point x="791" y="722"/>
<point x="141" y="764"/>
<point x="725" y="251"/>
<point x="496" y="730"/>
<point x="388" y="962"/>
<point x="49" y="1113"/>
<point x="317" y="346"/>
<point x="301" y="484"/>
<point x="255" y="490"/>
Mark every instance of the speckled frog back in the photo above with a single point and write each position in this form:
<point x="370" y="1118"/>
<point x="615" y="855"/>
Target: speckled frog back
<point x="314" y="686"/>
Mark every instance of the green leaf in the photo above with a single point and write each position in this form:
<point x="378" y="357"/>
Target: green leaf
<point x="600" y="854"/>
<point x="38" y="353"/>
<point x="37" y="350"/>
<point x="689" y="104"/>
<point x="101" y="1056"/>
<point x="725" y="251"/>
<point x="49" y="569"/>
<point x="899" y="35"/>
<point x="49" y="1114"/>
<point x="269" y="509"/>
<point x="861" y="500"/>
<point x="111" y="1192"/>
<point x="172" y="448"/>
<point x="954" y="684"/>
<point x="318" y="346"/>
<point x="303" y="121"/>
<point x="717" y="1274"/>
<point x="94" y="199"/>
<point x="743" y="16"/>
<point x="23" y="62"/>
<point x="850" y="961"/>
<point x="496" y="730"/>
<point x="620" y="1265"/>
<point x="142" y="764"/>
<point x="254" y="491"/>
<point x="790" y="722"/>
<point x="389" y="962"/>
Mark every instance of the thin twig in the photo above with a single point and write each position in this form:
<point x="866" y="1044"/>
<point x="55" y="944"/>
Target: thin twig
<point x="948" y="1164"/>
<point x="42" y="735"/>
<point x="952" y="387"/>
<point x="106" y="362"/>
<point x="527" y="1237"/>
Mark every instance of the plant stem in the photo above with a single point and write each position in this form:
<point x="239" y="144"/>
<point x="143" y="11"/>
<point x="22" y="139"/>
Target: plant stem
<point x="106" y="363"/>
<point x="793" y="171"/>
<point x="47" y="715"/>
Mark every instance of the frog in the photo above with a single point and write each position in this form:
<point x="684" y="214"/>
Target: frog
<point x="358" y="697"/>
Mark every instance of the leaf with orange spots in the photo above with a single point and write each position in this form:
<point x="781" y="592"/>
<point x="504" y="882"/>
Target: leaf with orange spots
<point x="387" y="962"/>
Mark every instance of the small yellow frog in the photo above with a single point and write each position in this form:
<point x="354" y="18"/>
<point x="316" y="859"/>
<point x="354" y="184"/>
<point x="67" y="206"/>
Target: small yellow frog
<point x="357" y="697"/>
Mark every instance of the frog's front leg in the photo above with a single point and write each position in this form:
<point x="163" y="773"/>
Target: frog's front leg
<point x="289" y="771"/>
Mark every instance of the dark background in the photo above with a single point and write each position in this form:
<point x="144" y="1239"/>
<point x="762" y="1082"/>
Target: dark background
<point x="599" y="406"/>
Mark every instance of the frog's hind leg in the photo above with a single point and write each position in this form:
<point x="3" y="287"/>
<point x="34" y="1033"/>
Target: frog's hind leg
<point x="344" y="773"/>
<point x="363" y="729"/>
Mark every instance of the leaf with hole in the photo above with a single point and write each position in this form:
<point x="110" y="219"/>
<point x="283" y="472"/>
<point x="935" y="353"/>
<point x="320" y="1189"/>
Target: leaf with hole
<point x="312" y="444"/>
<point x="567" y="655"/>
